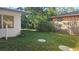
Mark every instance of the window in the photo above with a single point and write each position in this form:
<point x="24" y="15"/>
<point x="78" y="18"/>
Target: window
<point x="8" y="20"/>
<point x="0" y="22"/>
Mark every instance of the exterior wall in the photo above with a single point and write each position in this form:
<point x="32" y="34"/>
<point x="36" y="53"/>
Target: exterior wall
<point x="69" y="23"/>
<point x="17" y="24"/>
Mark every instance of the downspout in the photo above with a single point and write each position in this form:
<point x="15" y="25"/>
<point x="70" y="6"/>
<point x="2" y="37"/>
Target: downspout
<point x="6" y="32"/>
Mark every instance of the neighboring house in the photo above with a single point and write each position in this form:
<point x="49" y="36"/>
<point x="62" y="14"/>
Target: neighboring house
<point x="10" y="18"/>
<point x="68" y="22"/>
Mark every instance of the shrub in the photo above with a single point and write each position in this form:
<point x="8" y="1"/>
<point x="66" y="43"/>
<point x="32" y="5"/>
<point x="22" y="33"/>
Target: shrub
<point x="45" y="26"/>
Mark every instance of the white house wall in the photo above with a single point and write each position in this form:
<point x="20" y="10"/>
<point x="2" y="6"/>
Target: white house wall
<point x="17" y="24"/>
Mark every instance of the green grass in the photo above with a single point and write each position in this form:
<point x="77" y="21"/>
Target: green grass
<point x="27" y="41"/>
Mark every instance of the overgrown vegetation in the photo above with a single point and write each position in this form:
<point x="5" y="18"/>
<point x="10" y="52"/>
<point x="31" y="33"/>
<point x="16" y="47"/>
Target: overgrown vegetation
<point x="45" y="26"/>
<point x="36" y="15"/>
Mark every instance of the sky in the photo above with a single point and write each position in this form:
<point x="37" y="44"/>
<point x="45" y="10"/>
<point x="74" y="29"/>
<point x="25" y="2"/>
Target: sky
<point x="39" y="3"/>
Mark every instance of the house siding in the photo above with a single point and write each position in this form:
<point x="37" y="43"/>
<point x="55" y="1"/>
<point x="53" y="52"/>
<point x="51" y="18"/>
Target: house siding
<point x="17" y="24"/>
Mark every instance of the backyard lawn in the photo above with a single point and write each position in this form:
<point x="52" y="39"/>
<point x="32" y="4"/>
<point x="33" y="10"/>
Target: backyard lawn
<point x="28" y="41"/>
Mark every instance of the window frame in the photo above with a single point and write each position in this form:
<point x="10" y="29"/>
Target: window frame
<point x="2" y="21"/>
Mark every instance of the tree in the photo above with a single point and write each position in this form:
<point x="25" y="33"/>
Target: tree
<point x="63" y="10"/>
<point x="38" y="14"/>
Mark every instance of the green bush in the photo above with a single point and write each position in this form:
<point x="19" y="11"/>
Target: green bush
<point x="45" y="26"/>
